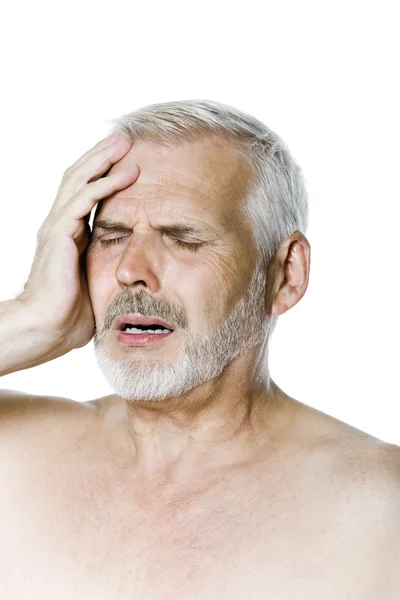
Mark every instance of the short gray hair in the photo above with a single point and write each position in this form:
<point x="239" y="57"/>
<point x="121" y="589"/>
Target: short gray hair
<point x="276" y="201"/>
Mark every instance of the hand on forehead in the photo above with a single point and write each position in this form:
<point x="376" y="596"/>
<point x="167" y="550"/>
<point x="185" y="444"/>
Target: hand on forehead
<point x="199" y="177"/>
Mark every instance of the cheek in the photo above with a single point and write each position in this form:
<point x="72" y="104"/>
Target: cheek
<point x="213" y="288"/>
<point x="228" y="284"/>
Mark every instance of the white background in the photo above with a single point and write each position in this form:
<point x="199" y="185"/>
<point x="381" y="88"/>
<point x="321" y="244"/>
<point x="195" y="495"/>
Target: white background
<point x="324" y="75"/>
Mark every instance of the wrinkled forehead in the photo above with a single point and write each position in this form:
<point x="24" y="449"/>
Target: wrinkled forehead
<point x="208" y="175"/>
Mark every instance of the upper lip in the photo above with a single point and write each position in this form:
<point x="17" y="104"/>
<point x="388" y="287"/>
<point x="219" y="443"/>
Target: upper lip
<point x="139" y="320"/>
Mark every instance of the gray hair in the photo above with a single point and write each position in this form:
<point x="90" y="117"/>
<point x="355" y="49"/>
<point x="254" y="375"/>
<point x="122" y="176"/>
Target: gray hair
<point x="276" y="200"/>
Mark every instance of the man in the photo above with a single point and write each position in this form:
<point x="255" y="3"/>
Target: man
<point x="199" y="477"/>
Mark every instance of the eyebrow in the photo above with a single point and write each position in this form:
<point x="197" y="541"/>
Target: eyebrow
<point x="175" y="228"/>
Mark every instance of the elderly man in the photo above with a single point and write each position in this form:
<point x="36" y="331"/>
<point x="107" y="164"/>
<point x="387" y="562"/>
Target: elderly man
<point x="199" y="478"/>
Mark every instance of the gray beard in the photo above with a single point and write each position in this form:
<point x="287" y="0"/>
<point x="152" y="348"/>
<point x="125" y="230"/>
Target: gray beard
<point x="202" y="358"/>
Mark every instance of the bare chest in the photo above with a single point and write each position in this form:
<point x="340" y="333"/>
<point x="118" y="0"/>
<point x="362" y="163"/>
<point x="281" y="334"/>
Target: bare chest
<point x="237" y="539"/>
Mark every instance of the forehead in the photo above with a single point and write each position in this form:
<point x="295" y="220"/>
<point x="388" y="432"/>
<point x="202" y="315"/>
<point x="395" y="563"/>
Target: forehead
<point x="206" y="176"/>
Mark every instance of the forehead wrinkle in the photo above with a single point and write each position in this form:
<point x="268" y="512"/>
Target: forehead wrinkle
<point x="212" y="181"/>
<point x="166" y="219"/>
<point x="161" y="196"/>
<point x="163" y="187"/>
<point x="173" y="210"/>
<point x="165" y="211"/>
<point x="171" y="207"/>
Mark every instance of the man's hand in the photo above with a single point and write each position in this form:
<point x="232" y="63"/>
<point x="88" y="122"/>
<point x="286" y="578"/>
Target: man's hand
<point x="56" y="293"/>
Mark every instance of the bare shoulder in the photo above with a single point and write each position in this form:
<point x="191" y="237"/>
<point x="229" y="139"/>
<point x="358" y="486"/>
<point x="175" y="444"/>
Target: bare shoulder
<point x="32" y="419"/>
<point x="38" y="435"/>
<point x="378" y="466"/>
<point x="372" y="469"/>
<point x="355" y="459"/>
<point x="366" y="496"/>
<point x="355" y="477"/>
<point x="352" y="459"/>
<point x="16" y="405"/>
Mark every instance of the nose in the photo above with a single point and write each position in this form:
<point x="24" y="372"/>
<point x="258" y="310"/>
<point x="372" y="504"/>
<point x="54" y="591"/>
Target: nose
<point x="138" y="266"/>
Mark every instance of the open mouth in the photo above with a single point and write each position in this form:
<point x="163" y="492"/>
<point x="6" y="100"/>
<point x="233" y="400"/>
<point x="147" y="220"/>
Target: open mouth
<point x="136" y="330"/>
<point x="140" y="329"/>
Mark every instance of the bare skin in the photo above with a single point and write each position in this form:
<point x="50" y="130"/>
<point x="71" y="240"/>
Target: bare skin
<point x="312" y="511"/>
<point x="233" y="490"/>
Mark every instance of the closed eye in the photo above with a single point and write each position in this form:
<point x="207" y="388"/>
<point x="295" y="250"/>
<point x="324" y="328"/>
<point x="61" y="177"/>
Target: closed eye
<point x="193" y="247"/>
<point x="111" y="241"/>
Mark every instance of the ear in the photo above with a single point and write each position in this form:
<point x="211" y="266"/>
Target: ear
<point x="288" y="274"/>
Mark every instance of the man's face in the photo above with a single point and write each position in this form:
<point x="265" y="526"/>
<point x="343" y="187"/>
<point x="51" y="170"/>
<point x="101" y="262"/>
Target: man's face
<point x="200" y="289"/>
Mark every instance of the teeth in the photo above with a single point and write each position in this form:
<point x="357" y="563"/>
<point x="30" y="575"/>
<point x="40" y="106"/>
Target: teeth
<point x="136" y="330"/>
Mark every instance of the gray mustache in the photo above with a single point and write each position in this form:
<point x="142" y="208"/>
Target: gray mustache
<point x="145" y="305"/>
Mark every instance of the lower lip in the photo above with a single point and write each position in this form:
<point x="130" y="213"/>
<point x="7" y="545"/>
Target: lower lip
<point x="138" y="339"/>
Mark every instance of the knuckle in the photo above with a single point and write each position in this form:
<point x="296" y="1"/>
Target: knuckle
<point x="75" y="198"/>
<point x="47" y="226"/>
<point x="41" y="236"/>
<point x="67" y="172"/>
<point x="42" y="228"/>
<point x="106" y="162"/>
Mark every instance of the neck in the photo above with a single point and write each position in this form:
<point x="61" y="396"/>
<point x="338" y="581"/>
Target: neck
<point x="225" y="421"/>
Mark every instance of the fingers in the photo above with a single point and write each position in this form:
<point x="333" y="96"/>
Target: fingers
<point x="84" y="201"/>
<point x="107" y="141"/>
<point x="90" y="167"/>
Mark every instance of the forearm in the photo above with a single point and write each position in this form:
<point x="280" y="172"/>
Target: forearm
<point x="22" y="343"/>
